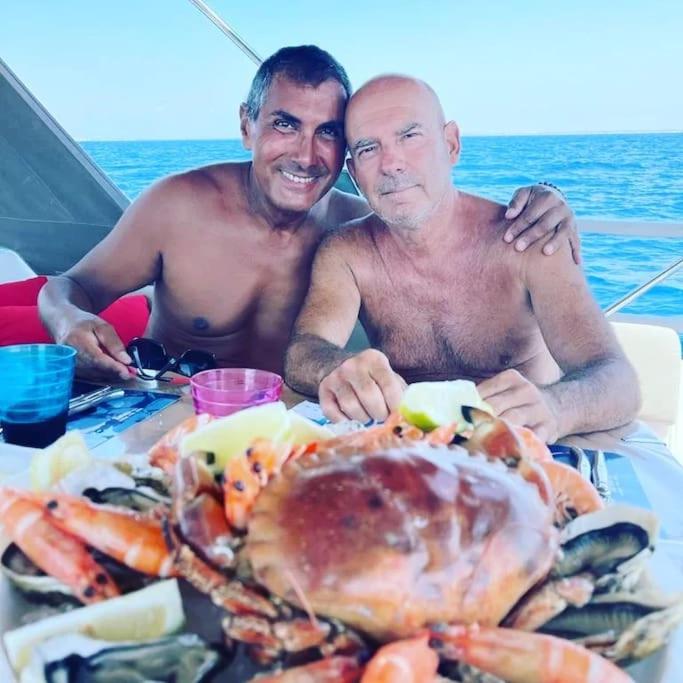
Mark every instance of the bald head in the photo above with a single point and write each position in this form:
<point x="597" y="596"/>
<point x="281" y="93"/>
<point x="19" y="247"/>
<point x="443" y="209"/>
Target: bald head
<point x="400" y="88"/>
<point x="402" y="149"/>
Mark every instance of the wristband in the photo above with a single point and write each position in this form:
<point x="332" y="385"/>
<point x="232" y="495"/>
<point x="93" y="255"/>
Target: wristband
<point x="552" y="187"/>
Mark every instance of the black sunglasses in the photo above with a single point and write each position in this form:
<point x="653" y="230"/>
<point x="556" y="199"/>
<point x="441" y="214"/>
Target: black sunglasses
<point x="151" y="360"/>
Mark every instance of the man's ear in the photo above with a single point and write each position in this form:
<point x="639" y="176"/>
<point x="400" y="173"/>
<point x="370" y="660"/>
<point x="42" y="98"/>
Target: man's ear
<point x="452" y="136"/>
<point x="245" y="126"/>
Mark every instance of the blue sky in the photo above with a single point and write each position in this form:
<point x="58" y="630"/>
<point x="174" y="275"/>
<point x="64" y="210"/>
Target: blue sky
<point x="157" y="69"/>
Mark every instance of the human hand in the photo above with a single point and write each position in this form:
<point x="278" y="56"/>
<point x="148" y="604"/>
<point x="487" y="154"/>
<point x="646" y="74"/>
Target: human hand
<point x="101" y="354"/>
<point x="540" y="213"/>
<point x="363" y="387"/>
<point x="515" y="398"/>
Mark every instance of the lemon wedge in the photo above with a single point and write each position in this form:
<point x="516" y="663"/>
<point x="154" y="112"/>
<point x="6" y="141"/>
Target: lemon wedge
<point x="428" y="405"/>
<point x="231" y="435"/>
<point x="65" y="455"/>
<point x="303" y="431"/>
<point x="152" y="612"/>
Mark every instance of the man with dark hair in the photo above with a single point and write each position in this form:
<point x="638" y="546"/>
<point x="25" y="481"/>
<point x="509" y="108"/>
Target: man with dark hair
<point x="229" y="246"/>
<point x="304" y="65"/>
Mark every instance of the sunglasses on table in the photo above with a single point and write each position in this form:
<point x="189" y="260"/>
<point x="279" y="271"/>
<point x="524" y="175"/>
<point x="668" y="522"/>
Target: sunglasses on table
<point x="151" y="360"/>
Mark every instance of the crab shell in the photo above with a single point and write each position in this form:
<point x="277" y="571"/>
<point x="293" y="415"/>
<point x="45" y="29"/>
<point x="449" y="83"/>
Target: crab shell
<point x="390" y="541"/>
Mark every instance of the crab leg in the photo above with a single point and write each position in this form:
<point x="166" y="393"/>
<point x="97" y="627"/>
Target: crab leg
<point x="551" y="599"/>
<point x="288" y="636"/>
<point x="338" y="669"/>
<point x="520" y="657"/>
<point x="57" y="553"/>
<point x="231" y="595"/>
<point x="499" y="438"/>
<point x="404" y="661"/>
<point x="199" y="514"/>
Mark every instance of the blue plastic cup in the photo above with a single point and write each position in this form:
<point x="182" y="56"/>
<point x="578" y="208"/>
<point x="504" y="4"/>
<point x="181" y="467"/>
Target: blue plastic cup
<point x="35" y="387"/>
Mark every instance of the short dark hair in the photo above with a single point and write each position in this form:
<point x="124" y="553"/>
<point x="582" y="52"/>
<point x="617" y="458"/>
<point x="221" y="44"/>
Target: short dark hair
<point x="303" y="64"/>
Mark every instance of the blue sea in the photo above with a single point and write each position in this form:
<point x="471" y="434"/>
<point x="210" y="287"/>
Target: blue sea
<point x="626" y="177"/>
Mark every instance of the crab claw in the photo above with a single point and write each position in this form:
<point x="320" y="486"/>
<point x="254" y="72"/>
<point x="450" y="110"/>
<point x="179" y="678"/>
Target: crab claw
<point x="499" y="439"/>
<point x="404" y="661"/>
<point x="338" y="669"/>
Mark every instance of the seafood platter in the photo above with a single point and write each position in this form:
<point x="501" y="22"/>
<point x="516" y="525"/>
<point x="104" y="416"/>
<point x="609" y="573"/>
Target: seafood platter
<point x="262" y="547"/>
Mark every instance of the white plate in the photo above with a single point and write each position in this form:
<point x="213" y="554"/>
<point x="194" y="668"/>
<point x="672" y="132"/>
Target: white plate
<point x="14" y="465"/>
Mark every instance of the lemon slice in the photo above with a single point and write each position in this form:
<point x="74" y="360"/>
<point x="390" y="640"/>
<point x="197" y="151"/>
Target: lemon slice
<point x="232" y="435"/>
<point x="303" y="431"/>
<point x="148" y="613"/>
<point x="428" y="405"/>
<point x="65" y="455"/>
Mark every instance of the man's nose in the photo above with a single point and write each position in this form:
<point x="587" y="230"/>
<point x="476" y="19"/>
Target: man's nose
<point x="305" y="151"/>
<point x="392" y="161"/>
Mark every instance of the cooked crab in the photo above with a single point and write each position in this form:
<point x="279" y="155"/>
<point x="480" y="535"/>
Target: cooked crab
<point x="392" y="534"/>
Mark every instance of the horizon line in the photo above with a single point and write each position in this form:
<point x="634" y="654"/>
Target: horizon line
<point x="469" y="135"/>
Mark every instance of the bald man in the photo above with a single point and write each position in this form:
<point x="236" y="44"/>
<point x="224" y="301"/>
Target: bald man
<point x="441" y="296"/>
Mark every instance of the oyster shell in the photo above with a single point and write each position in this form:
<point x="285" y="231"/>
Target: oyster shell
<point x="134" y="499"/>
<point x="40" y="587"/>
<point x="31" y="581"/>
<point x="63" y="659"/>
<point x="605" y="541"/>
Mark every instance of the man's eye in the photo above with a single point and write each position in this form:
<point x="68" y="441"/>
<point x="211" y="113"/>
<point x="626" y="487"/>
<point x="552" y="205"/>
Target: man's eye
<point x="329" y="133"/>
<point x="412" y="134"/>
<point x="364" y="151"/>
<point x="281" y="124"/>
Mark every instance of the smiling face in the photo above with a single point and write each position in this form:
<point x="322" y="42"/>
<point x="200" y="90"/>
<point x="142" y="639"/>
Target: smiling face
<point x="297" y="142"/>
<point x="401" y="149"/>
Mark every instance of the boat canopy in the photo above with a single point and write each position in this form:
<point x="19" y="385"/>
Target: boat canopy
<point x="55" y="202"/>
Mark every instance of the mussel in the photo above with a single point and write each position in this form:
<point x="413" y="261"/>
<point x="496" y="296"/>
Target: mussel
<point x="603" y="542"/>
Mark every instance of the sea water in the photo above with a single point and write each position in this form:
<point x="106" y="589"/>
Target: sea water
<point x="619" y="177"/>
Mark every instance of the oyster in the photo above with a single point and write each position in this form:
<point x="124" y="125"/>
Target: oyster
<point x="31" y="581"/>
<point x="40" y="587"/>
<point x="134" y="499"/>
<point x="183" y="659"/>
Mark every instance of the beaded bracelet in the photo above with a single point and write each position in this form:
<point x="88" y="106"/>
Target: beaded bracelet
<point x="552" y="187"/>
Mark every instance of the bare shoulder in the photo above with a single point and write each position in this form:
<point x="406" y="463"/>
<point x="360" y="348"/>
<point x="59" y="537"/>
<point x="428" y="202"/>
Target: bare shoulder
<point x="342" y="207"/>
<point x="201" y="189"/>
<point x="485" y="216"/>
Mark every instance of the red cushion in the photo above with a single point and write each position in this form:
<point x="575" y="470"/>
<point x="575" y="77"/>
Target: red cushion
<point x="20" y="323"/>
<point x="22" y="292"/>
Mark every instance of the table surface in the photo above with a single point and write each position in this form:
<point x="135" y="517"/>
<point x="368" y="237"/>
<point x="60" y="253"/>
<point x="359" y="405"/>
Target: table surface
<point x="660" y="475"/>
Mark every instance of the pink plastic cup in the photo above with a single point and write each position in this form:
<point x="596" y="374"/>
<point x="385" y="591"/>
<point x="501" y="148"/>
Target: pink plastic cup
<point x="224" y="391"/>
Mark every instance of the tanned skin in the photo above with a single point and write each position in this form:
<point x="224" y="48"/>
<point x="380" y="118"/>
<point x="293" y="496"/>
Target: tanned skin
<point x="442" y="297"/>
<point x="229" y="247"/>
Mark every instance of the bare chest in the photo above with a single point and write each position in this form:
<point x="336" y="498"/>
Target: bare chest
<point x="466" y="318"/>
<point x="236" y="297"/>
